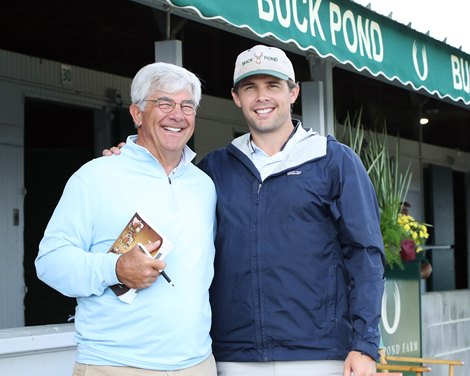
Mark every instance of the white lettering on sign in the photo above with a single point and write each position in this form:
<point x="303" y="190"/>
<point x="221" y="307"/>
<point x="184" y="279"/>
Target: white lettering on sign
<point x="390" y="329"/>
<point x="424" y="59"/>
<point x="267" y="15"/>
<point x="269" y="9"/>
<point x="350" y="39"/>
<point x="284" y="21"/>
<point x="363" y="35"/>
<point x="302" y="26"/>
<point x="405" y="347"/>
<point x="360" y="35"/>
<point x="315" y="18"/>
<point x="460" y="73"/>
<point x="377" y="42"/>
<point x="392" y="350"/>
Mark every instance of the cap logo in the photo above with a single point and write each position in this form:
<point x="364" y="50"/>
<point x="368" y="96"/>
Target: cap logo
<point x="263" y="60"/>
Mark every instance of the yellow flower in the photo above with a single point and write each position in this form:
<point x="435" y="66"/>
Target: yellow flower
<point x="415" y="230"/>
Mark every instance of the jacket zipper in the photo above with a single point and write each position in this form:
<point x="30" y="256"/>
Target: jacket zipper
<point x="173" y="196"/>
<point x="260" y="305"/>
<point x="257" y="193"/>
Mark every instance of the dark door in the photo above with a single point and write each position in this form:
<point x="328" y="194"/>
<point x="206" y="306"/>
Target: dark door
<point x="58" y="140"/>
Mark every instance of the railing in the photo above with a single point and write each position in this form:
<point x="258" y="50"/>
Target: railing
<point x="413" y="364"/>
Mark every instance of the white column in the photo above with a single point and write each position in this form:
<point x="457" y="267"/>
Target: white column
<point x="317" y="97"/>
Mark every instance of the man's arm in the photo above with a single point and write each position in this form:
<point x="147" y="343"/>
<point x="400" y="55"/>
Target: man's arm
<point x="362" y="245"/>
<point x="66" y="261"/>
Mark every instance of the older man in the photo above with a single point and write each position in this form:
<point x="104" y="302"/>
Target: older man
<point x="165" y="328"/>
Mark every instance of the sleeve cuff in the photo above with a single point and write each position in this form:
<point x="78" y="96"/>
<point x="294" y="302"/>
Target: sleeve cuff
<point x="109" y="269"/>
<point x="367" y="349"/>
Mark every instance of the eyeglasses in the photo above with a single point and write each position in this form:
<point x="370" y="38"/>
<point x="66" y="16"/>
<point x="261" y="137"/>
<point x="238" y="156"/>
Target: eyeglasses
<point x="167" y="105"/>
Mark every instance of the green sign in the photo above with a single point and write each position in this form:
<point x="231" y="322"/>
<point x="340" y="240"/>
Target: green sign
<point x="349" y="33"/>
<point x="401" y="312"/>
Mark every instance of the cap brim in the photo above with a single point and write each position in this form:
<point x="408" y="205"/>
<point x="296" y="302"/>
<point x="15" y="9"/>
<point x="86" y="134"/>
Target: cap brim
<point x="267" y="72"/>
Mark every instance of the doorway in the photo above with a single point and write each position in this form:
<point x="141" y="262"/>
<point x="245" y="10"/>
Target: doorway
<point x="58" y="139"/>
<point x="446" y="206"/>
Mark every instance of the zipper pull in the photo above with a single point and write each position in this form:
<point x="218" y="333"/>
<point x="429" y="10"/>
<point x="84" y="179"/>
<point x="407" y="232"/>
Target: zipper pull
<point x="259" y="189"/>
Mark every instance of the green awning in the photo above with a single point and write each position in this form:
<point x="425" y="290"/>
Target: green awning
<point x="351" y="34"/>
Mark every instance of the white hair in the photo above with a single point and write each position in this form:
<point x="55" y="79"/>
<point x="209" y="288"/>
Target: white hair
<point x="168" y="78"/>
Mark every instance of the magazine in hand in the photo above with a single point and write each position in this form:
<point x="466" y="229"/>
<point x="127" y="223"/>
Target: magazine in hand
<point x="138" y="231"/>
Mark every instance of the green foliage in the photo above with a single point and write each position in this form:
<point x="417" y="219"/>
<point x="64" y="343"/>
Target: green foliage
<point x="392" y="234"/>
<point x="391" y="185"/>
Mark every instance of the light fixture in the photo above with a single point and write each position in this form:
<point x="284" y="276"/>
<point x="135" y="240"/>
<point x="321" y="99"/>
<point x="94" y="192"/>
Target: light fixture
<point x="426" y="115"/>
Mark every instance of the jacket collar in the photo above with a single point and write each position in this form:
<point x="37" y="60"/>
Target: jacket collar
<point x="142" y="153"/>
<point x="303" y="145"/>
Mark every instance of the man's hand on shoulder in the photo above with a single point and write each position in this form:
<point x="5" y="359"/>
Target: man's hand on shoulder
<point x="116" y="150"/>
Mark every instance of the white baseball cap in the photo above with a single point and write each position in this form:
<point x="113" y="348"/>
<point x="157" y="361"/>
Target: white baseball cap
<point x="263" y="60"/>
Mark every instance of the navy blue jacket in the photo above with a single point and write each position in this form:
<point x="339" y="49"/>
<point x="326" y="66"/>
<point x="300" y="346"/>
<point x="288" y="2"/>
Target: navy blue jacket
<point x="299" y="256"/>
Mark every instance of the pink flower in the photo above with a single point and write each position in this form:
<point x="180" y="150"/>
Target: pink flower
<point x="408" y="250"/>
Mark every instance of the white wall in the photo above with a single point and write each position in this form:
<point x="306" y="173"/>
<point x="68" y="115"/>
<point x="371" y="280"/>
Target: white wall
<point x="446" y="329"/>
<point x="217" y="122"/>
<point x="12" y="287"/>
<point x="40" y="350"/>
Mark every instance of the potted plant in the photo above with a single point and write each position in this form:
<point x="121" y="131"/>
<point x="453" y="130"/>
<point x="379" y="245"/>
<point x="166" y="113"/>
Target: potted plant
<point x="403" y="236"/>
